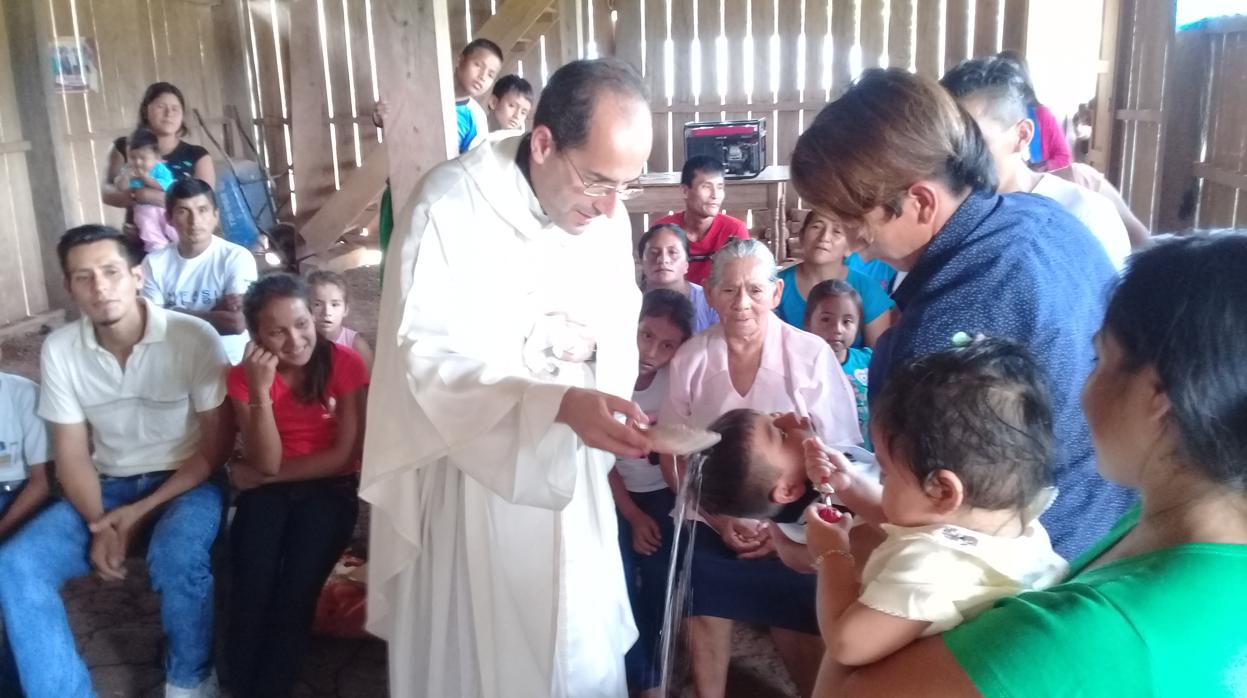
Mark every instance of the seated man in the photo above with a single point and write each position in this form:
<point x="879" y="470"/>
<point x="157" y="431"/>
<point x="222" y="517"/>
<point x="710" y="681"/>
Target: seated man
<point x="145" y="386"/>
<point x="702" y="219"/>
<point x="24" y="452"/>
<point x="203" y="275"/>
<point x="993" y="91"/>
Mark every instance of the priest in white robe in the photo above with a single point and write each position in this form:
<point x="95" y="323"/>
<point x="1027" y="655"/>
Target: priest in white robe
<point x="507" y="336"/>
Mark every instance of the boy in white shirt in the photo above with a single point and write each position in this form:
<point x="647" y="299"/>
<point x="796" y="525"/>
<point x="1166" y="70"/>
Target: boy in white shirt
<point x="144" y="386"/>
<point x="203" y="275"/>
<point x="993" y="91"/>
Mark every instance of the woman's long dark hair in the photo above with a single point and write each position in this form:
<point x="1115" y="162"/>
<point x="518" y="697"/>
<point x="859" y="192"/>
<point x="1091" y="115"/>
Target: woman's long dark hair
<point x="1181" y="307"/>
<point x="155" y="90"/>
<point x="282" y="285"/>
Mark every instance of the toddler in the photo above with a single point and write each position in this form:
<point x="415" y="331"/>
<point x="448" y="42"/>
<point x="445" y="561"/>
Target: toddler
<point x="330" y="306"/>
<point x="964" y="440"/>
<point x="833" y="311"/>
<point x="642" y="496"/>
<point x="147" y="170"/>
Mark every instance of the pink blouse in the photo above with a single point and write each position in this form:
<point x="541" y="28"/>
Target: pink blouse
<point x="795" y="375"/>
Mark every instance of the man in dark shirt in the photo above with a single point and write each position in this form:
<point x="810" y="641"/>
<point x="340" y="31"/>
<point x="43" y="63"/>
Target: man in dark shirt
<point x="906" y="171"/>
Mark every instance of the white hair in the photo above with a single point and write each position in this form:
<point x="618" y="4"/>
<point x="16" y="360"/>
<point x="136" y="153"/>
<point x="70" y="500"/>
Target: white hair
<point x="742" y="249"/>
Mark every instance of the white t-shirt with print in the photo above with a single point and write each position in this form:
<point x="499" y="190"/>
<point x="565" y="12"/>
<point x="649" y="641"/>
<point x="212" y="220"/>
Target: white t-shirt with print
<point x="143" y="417"/>
<point x="23" y="435"/>
<point x="198" y="283"/>
<point x="639" y="475"/>
<point x="1094" y="210"/>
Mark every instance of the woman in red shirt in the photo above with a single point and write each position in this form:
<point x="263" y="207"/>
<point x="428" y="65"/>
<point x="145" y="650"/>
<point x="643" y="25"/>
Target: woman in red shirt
<point x="299" y="402"/>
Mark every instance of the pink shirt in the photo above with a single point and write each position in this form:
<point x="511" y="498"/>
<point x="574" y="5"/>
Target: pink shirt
<point x="1055" y="148"/>
<point x="795" y="375"/>
<point x="346" y="337"/>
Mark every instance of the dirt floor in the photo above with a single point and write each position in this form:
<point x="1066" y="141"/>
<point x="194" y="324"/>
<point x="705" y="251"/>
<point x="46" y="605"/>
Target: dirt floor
<point x="117" y="625"/>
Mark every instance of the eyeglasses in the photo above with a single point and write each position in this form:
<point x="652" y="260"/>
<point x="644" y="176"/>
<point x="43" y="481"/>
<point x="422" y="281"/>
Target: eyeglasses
<point x="623" y="192"/>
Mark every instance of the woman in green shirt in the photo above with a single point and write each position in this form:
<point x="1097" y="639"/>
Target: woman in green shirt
<point x="1157" y="607"/>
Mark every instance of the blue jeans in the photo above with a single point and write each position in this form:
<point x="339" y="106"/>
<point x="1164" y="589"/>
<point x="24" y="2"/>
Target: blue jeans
<point x="52" y="548"/>
<point x="9" y="686"/>
<point x="646" y="576"/>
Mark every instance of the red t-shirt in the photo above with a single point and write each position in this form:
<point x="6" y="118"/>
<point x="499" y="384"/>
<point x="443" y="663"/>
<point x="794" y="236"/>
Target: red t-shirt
<point x="721" y="230"/>
<point x="307" y="428"/>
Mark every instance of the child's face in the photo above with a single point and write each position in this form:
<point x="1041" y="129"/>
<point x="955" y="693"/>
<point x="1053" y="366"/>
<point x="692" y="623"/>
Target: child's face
<point x="905" y="500"/>
<point x="476" y="72"/>
<point x="142" y="160"/>
<point x="329" y="308"/>
<point x="836" y="321"/>
<point x="657" y="339"/>
<point x="778" y="440"/>
<point x="512" y="109"/>
<point x="823" y="242"/>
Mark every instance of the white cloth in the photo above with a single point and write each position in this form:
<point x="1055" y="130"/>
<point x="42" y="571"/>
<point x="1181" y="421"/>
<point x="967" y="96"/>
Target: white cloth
<point x="494" y="557"/>
<point x="142" y="417"/>
<point x="1094" y="210"/>
<point x="638" y="474"/>
<point x="23" y="435"/>
<point x="947" y="574"/>
<point x="198" y="284"/>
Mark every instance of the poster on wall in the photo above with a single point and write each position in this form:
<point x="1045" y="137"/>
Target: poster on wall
<point x="74" y="64"/>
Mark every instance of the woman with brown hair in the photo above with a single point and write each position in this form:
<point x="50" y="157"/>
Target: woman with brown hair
<point x="906" y="173"/>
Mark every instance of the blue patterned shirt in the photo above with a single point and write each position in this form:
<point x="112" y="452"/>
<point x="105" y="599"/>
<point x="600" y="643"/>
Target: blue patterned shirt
<point x="1020" y="267"/>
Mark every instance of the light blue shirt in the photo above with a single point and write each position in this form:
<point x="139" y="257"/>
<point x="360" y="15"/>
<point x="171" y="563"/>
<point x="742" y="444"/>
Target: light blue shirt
<point x="875" y="301"/>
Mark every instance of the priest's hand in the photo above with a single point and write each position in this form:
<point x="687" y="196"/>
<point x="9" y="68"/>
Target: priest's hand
<point x="591" y="414"/>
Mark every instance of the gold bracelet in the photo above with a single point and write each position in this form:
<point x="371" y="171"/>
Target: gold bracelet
<point x="827" y="554"/>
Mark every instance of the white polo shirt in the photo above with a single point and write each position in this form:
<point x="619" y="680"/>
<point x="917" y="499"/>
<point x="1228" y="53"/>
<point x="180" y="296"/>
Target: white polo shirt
<point x="142" y="415"/>
<point x="23" y="436"/>
<point x="1094" y="210"/>
<point x="198" y="283"/>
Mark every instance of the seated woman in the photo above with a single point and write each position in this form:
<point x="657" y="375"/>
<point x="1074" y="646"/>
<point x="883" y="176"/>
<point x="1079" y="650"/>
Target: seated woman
<point x="663" y="250"/>
<point x="162" y="111"/>
<point x="826" y="249"/>
<point x="1155" y="607"/>
<point x="299" y="402"/>
<point x="751" y="359"/>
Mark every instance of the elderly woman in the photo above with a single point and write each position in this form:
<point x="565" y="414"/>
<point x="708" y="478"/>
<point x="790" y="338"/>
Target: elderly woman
<point x="753" y="360"/>
<point x="663" y="251"/>
<point x="905" y="172"/>
<point x="1154" y="608"/>
<point x="826" y="251"/>
<point x="163" y="111"/>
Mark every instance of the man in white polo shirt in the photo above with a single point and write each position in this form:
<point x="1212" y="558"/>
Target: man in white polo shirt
<point x="146" y="387"/>
<point x="203" y="275"/>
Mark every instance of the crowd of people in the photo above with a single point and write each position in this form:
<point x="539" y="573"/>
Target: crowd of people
<point x="984" y="438"/>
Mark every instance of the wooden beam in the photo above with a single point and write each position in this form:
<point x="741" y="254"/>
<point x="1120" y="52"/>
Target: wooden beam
<point x="309" y="126"/>
<point x="514" y="20"/>
<point x="571" y="30"/>
<point x="361" y="188"/>
<point x="414" y="62"/>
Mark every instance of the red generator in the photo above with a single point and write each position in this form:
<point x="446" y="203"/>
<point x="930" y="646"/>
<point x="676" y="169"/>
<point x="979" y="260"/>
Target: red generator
<point x="739" y="145"/>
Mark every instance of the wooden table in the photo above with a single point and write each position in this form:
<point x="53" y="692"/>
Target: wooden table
<point x="766" y="191"/>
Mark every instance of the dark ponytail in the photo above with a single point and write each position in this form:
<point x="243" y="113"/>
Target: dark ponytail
<point x="320" y="366"/>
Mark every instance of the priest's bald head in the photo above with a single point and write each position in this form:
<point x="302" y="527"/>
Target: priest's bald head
<point x="591" y="137"/>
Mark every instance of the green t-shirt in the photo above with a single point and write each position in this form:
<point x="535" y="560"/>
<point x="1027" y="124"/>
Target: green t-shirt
<point x="1171" y="622"/>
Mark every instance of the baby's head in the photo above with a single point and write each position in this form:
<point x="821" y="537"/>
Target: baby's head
<point x="757" y="467"/>
<point x="511" y="101"/>
<point x="142" y="150"/>
<point x="666" y="323"/>
<point x="330" y="302"/>
<point x="833" y="311"/>
<point x="966" y="428"/>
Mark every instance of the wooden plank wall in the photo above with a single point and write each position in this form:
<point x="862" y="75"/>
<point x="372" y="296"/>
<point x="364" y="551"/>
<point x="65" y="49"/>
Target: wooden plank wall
<point x="1223" y="184"/>
<point x="1144" y="38"/>
<point x="137" y="42"/>
<point x="22" y="291"/>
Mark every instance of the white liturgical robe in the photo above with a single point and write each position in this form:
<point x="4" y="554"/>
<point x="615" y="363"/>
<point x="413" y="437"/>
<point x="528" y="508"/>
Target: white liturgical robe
<point x="494" y="562"/>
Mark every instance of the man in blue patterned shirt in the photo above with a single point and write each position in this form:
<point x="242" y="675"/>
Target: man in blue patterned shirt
<point x="906" y="170"/>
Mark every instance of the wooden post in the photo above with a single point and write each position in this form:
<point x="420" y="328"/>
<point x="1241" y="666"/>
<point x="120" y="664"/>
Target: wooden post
<point x="26" y="22"/>
<point x="309" y="115"/>
<point x="571" y="30"/>
<point x="414" y="62"/>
